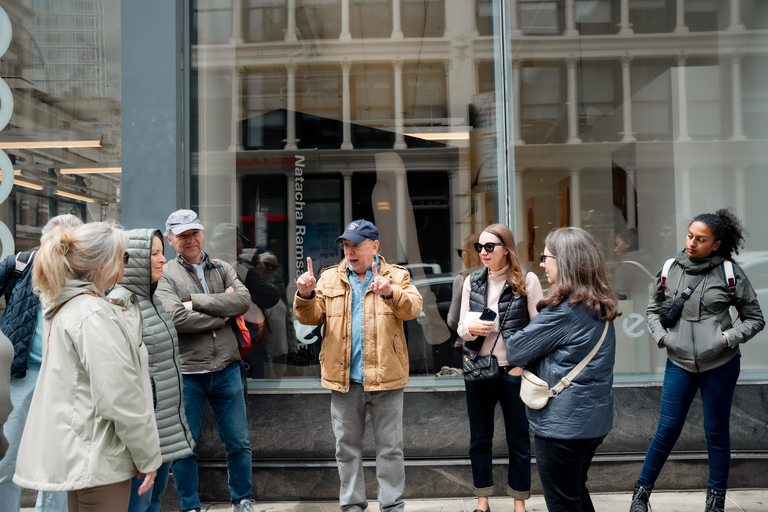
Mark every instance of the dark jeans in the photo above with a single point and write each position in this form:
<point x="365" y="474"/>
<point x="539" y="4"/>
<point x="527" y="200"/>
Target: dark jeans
<point x="224" y="391"/>
<point x="563" y="465"/>
<point x="717" y="387"/>
<point x="481" y="406"/>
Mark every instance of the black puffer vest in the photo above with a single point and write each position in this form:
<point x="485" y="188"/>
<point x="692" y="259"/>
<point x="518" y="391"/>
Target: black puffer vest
<point x="516" y="319"/>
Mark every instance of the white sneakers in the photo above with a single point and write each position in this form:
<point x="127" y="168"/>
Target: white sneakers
<point x="243" y="506"/>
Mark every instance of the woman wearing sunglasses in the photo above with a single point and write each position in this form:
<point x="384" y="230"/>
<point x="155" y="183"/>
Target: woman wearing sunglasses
<point x="575" y="319"/>
<point x="91" y="424"/>
<point x="510" y="294"/>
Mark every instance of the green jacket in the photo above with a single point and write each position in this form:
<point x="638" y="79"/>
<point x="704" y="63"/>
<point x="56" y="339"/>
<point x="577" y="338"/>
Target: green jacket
<point x="91" y="421"/>
<point x="162" y="341"/>
<point x="206" y="341"/>
<point x="695" y="343"/>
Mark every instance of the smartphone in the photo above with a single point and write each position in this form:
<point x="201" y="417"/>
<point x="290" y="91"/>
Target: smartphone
<point x="488" y="315"/>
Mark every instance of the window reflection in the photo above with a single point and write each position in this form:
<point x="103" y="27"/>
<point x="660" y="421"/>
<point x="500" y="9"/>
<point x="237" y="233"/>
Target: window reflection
<point x="390" y="110"/>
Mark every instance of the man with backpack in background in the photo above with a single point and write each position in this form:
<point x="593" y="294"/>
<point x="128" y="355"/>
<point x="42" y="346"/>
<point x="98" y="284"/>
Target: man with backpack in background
<point x="22" y="323"/>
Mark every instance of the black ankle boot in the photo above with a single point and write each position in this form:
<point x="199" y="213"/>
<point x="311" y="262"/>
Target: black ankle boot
<point x="715" y="501"/>
<point x="640" y="499"/>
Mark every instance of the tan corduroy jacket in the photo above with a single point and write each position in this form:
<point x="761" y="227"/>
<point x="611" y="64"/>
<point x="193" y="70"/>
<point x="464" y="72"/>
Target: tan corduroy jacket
<point x="385" y="354"/>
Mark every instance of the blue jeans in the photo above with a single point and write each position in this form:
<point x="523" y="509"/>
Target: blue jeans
<point x="150" y="500"/>
<point x="717" y="387"/>
<point x="563" y="466"/>
<point x="481" y="406"/>
<point x="10" y="493"/>
<point x="224" y="390"/>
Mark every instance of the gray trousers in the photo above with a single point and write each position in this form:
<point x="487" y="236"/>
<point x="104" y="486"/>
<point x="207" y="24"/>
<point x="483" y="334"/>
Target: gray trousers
<point x="348" y="418"/>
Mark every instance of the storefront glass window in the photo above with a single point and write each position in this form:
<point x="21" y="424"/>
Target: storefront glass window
<point x="624" y="118"/>
<point x="360" y="109"/>
<point x="59" y="115"/>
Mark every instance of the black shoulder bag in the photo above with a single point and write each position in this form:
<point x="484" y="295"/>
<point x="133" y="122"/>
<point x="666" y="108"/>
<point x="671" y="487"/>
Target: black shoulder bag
<point x="670" y="310"/>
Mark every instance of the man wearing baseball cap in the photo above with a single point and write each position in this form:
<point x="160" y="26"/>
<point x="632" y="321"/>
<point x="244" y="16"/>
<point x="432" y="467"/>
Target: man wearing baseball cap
<point x="363" y="302"/>
<point x="203" y="297"/>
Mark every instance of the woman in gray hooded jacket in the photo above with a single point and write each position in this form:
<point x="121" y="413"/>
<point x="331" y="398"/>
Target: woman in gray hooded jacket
<point x="702" y="348"/>
<point x="142" y="272"/>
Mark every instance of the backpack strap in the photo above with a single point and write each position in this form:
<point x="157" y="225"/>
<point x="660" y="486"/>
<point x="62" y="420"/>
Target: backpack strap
<point x="665" y="272"/>
<point x="23" y="259"/>
<point x="729" y="274"/>
<point x="219" y="270"/>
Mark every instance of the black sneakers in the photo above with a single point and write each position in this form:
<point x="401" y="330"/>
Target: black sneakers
<point x="640" y="499"/>
<point x="715" y="501"/>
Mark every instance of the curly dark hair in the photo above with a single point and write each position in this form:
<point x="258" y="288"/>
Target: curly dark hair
<point x="727" y="228"/>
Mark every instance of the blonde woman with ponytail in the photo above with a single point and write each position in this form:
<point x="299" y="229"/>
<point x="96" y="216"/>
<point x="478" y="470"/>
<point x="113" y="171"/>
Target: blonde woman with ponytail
<point x="91" y="424"/>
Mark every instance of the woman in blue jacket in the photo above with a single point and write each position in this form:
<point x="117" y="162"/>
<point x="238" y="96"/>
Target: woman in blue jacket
<point x="571" y="320"/>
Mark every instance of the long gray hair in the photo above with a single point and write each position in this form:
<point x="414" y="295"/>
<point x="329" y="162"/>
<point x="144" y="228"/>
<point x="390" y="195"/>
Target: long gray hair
<point x="582" y="274"/>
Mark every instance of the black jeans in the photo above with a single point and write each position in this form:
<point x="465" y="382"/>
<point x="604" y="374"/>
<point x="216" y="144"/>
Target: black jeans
<point x="563" y="465"/>
<point x="481" y="406"/>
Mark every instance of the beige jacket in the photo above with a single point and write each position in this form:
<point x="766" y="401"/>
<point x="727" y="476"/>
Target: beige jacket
<point x="206" y="341"/>
<point x="385" y="354"/>
<point x="90" y="422"/>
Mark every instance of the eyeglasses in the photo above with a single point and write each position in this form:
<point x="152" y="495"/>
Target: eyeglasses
<point x="270" y="266"/>
<point x="351" y="247"/>
<point x="125" y="258"/>
<point x="543" y="257"/>
<point x="489" y="247"/>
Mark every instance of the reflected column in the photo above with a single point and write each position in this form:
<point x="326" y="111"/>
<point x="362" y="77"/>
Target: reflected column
<point x="400" y="211"/>
<point x="290" y="32"/>
<point x="236" y="143"/>
<point x="625" y="27"/>
<point x="576" y="196"/>
<point x="736" y="23"/>
<point x="237" y="22"/>
<point x="685" y="191"/>
<point x="517" y="114"/>
<point x="347" y="177"/>
<point x="573" y="120"/>
<point x="740" y="193"/>
<point x="514" y="30"/>
<point x="397" y="32"/>
<point x="738" y="124"/>
<point x="345" y="34"/>
<point x="626" y="93"/>
<point x="630" y="197"/>
<point x="682" y="100"/>
<point x="680" y="27"/>
<point x="399" y="138"/>
<point x="570" y="25"/>
<point x="290" y="143"/>
<point x="520" y="224"/>
<point x="346" y="109"/>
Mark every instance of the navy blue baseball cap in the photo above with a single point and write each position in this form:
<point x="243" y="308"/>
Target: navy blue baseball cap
<point x="358" y="230"/>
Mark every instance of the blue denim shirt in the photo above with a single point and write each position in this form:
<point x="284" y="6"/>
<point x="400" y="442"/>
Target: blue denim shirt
<point x="356" y="373"/>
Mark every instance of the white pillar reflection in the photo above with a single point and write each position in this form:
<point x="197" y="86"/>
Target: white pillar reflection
<point x="399" y="137"/>
<point x="397" y="32"/>
<point x="680" y="26"/>
<point x="347" y="176"/>
<point x="518" y="115"/>
<point x="736" y="24"/>
<point x="570" y="25"/>
<point x="345" y="33"/>
<point x="346" y="109"/>
<point x="401" y="186"/>
<point x="736" y="108"/>
<point x="625" y="28"/>
<point x="626" y="93"/>
<point x="682" y="101"/>
<point x="236" y="143"/>
<point x="575" y="173"/>
<point x="290" y="143"/>
<point x="573" y="119"/>
<point x="290" y="31"/>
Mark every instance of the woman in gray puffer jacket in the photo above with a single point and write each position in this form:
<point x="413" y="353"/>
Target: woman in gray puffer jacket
<point x="702" y="349"/>
<point x="143" y="271"/>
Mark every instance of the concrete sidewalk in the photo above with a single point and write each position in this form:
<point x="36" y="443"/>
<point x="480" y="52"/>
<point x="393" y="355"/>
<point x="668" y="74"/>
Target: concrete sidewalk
<point x="739" y="500"/>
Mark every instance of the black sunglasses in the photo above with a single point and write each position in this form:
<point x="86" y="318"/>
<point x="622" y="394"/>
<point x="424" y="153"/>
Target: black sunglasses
<point x="543" y="257"/>
<point x="270" y="266"/>
<point x="125" y="258"/>
<point x="489" y="247"/>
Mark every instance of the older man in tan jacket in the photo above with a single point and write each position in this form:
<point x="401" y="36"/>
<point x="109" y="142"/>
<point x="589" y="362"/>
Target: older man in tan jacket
<point x="364" y="360"/>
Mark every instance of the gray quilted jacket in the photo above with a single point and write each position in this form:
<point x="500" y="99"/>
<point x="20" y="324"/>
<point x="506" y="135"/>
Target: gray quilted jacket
<point x="163" y="345"/>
